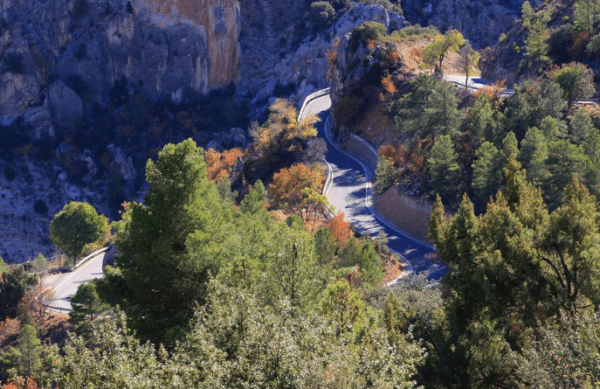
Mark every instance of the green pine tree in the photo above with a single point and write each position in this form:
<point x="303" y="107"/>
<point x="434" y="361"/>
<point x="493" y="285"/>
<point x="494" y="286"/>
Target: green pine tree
<point x="537" y="42"/>
<point x="487" y="172"/>
<point x="443" y="169"/>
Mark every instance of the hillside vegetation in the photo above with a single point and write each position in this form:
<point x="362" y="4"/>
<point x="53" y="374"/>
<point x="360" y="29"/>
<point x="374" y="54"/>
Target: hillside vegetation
<point x="231" y="273"/>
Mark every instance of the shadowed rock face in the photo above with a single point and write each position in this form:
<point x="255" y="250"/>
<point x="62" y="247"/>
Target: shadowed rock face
<point x="481" y="22"/>
<point x="79" y="49"/>
<point x="221" y="22"/>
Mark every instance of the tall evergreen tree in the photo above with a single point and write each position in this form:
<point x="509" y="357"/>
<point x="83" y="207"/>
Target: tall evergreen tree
<point x="484" y="122"/>
<point x="487" y="172"/>
<point x="430" y="109"/>
<point x="442" y="110"/>
<point x="410" y="108"/>
<point x="29" y="346"/>
<point x="581" y="126"/>
<point x="169" y="246"/>
<point x="553" y="128"/>
<point x="443" y="168"/>
<point x="517" y="114"/>
<point x="255" y="199"/>
<point x="586" y="15"/>
<point x="86" y="305"/>
<point x="545" y="99"/>
<point x="570" y="254"/>
<point x="25" y="358"/>
<point x="533" y="156"/>
<point x="565" y="161"/>
<point x="527" y="14"/>
<point x="537" y="42"/>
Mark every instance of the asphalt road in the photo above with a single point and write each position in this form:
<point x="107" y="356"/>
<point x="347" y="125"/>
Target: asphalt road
<point x="350" y="192"/>
<point x="474" y="83"/>
<point x="65" y="286"/>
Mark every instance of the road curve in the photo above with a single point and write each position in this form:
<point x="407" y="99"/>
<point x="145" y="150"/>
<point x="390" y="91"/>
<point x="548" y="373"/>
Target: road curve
<point x="65" y="286"/>
<point x="474" y="83"/>
<point x="350" y="192"/>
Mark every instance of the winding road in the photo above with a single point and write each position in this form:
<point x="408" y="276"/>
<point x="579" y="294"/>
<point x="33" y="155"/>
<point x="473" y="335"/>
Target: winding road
<point x="65" y="285"/>
<point x="350" y="192"/>
<point x="474" y="83"/>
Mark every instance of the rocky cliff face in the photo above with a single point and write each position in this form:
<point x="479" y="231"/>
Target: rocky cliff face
<point x="275" y="56"/>
<point x="481" y="22"/>
<point x="221" y="22"/>
<point x="60" y="59"/>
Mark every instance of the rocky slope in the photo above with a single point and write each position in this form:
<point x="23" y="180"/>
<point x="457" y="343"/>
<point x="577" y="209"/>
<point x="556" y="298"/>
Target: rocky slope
<point x="60" y="59"/>
<point x="481" y="22"/>
<point x="279" y="52"/>
<point x="77" y="78"/>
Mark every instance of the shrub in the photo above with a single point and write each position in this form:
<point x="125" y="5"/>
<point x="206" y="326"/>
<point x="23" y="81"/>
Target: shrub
<point x="365" y="32"/>
<point x="321" y="14"/>
<point x="385" y="3"/>
<point x="503" y="38"/>
<point x="295" y="222"/>
<point x="593" y="48"/>
<point x="416" y="30"/>
<point x="559" y="41"/>
<point x="40" y="207"/>
<point x="384" y="173"/>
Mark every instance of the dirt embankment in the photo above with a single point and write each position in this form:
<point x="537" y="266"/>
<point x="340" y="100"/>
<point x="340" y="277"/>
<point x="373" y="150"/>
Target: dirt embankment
<point x="407" y="213"/>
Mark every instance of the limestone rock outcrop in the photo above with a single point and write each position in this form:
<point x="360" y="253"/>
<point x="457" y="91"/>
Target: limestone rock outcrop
<point x="266" y="67"/>
<point x="60" y="59"/>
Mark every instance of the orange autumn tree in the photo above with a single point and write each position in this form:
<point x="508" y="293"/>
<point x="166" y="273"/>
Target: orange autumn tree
<point x="298" y="189"/>
<point x="388" y="84"/>
<point x="340" y="228"/>
<point x="21" y="383"/>
<point x="282" y="127"/>
<point x="219" y="165"/>
<point x="407" y="162"/>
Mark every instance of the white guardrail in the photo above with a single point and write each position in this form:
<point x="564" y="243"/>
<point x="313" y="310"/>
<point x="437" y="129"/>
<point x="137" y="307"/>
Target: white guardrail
<point x="301" y="115"/>
<point x="92" y="255"/>
<point x="73" y="268"/>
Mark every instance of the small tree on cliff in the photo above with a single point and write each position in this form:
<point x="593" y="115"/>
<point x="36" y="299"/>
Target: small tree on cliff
<point x="468" y="60"/>
<point x="441" y="45"/>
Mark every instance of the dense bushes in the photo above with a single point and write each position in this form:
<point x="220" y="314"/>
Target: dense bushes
<point x="321" y="14"/>
<point x="365" y="32"/>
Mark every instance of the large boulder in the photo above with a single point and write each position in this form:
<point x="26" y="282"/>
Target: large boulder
<point x="65" y="105"/>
